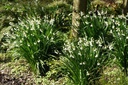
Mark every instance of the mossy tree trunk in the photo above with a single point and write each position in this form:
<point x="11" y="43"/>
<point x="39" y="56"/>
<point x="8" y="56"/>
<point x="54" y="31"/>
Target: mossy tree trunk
<point x="79" y="6"/>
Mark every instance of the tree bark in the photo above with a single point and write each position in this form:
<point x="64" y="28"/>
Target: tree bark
<point x="125" y="6"/>
<point x="79" y="6"/>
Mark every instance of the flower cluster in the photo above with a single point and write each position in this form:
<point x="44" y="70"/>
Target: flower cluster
<point x="33" y="37"/>
<point x="84" y="55"/>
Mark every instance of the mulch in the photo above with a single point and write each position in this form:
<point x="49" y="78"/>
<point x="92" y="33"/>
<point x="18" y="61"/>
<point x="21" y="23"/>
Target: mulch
<point x="6" y="79"/>
<point x="9" y="79"/>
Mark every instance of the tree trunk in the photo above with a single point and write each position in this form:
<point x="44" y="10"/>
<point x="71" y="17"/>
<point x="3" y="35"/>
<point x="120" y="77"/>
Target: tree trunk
<point x="79" y="6"/>
<point x="125" y="6"/>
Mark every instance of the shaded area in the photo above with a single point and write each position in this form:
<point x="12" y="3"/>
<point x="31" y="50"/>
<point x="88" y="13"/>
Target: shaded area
<point x="6" y="79"/>
<point x="10" y="79"/>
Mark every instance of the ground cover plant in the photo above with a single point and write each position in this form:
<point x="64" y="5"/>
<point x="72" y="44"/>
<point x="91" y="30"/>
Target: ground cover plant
<point x="85" y="60"/>
<point x="38" y="38"/>
<point x="120" y="36"/>
<point x="95" y="25"/>
<point x="37" y="41"/>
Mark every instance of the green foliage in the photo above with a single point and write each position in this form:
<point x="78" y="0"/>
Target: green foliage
<point x="84" y="60"/>
<point x="61" y="12"/>
<point x="57" y="11"/>
<point x="37" y="34"/>
<point x="119" y="31"/>
<point x="10" y="12"/>
<point x="112" y="30"/>
<point x="36" y="41"/>
<point x="95" y="25"/>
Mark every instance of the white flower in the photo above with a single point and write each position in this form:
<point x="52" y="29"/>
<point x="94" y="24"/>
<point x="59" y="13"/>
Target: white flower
<point x="118" y="79"/>
<point x="106" y="23"/>
<point x="15" y="42"/>
<point x="52" y="39"/>
<point x="87" y="16"/>
<point x="20" y="41"/>
<point x="95" y="50"/>
<point x="32" y="34"/>
<point x="99" y="13"/>
<point x="94" y="16"/>
<point x="121" y="16"/>
<point x="88" y="73"/>
<point x="114" y="59"/>
<point x="32" y="28"/>
<point x="73" y="48"/>
<point x="41" y="30"/>
<point x="86" y="22"/>
<point x="80" y="63"/>
<point x="86" y="44"/>
<point x="35" y="43"/>
<point x="83" y="63"/>
<point x="112" y="16"/>
<point x="81" y="47"/>
<point x="99" y="42"/>
<point x="81" y="13"/>
<point x="79" y="54"/>
<point x="80" y="40"/>
<point x="24" y="34"/>
<point x="51" y="21"/>
<point x="123" y="34"/>
<point x="127" y="37"/>
<point x="113" y="27"/>
<point x="98" y="64"/>
<point x="111" y="31"/>
<point x="91" y="25"/>
<point x="13" y="37"/>
<point x="42" y="8"/>
<point x="96" y="56"/>
<point x="102" y="12"/>
<point x="117" y="23"/>
<point x="110" y="46"/>
<point x="91" y="42"/>
<point x="71" y="56"/>
<point x="56" y="51"/>
<point x="14" y="29"/>
<point x="17" y="45"/>
<point x="38" y="41"/>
